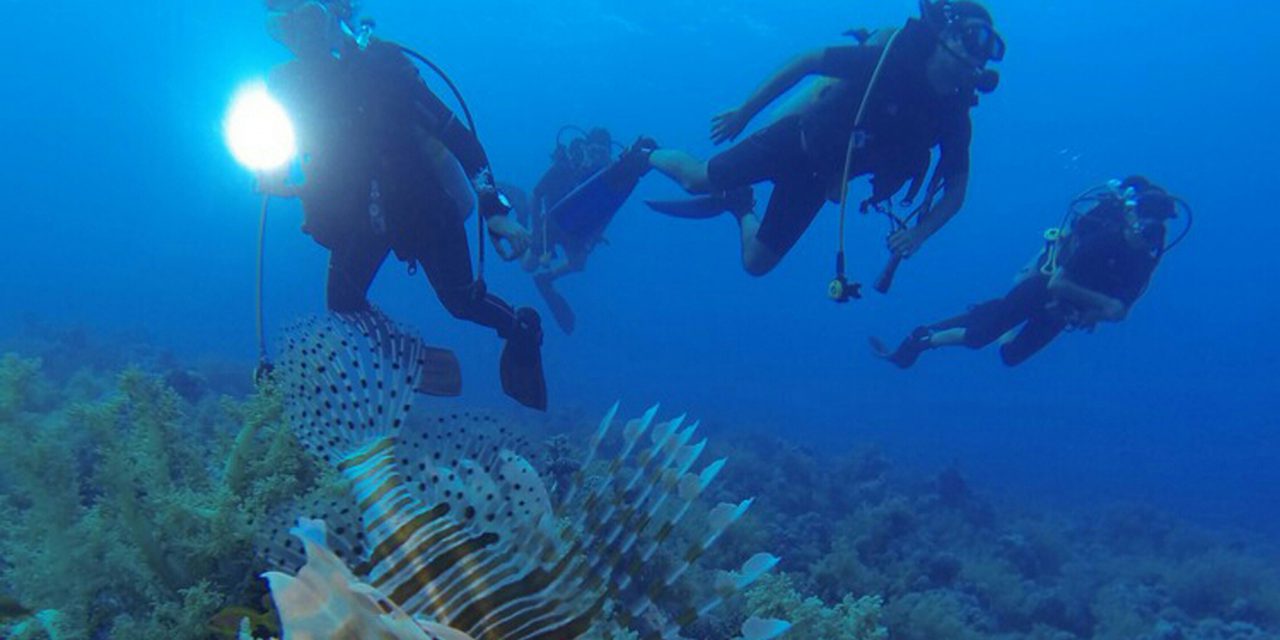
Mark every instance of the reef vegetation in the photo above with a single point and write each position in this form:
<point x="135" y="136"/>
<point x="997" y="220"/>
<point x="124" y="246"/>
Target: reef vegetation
<point x="136" y="489"/>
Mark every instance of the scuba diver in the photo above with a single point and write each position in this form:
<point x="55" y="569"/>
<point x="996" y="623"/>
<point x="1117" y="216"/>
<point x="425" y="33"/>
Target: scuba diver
<point x="879" y="109"/>
<point x="383" y="162"/>
<point x="572" y="204"/>
<point x="1092" y="269"/>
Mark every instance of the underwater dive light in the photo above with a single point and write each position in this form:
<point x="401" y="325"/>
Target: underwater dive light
<point x="258" y="131"/>
<point x="260" y="136"/>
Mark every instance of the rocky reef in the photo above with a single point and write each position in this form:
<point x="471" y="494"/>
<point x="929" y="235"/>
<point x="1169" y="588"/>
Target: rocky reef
<point x="134" y="489"/>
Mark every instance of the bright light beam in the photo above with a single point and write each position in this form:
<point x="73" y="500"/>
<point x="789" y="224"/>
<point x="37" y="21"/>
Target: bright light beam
<point x="258" y="131"/>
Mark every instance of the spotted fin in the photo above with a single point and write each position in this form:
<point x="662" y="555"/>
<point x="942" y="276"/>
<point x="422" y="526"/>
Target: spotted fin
<point x="348" y="380"/>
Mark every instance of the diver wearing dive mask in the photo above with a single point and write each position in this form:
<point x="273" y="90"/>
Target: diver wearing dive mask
<point x="965" y="32"/>
<point x="1092" y="270"/>
<point x="380" y="158"/>
<point x="881" y="108"/>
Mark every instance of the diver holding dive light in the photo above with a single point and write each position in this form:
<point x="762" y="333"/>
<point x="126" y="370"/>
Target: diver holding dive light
<point x="882" y="106"/>
<point x="1093" y="268"/>
<point x="383" y="162"/>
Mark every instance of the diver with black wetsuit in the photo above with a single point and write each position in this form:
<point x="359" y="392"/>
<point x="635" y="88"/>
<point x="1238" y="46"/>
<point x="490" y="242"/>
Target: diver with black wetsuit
<point x="887" y="103"/>
<point x="380" y="165"/>
<point x="571" y="206"/>
<point x="1091" y="271"/>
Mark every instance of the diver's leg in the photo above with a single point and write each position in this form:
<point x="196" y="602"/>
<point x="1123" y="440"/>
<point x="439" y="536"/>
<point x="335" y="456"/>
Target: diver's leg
<point x="575" y="261"/>
<point x="991" y="320"/>
<point x="446" y="259"/>
<point x="1043" y="327"/>
<point x="775" y="150"/>
<point x="981" y="326"/>
<point x="352" y="267"/>
<point x="792" y="207"/>
<point x="561" y="312"/>
<point x="689" y="172"/>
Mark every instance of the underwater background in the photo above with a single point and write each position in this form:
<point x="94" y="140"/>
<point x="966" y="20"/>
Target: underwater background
<point x="126" y="216"/>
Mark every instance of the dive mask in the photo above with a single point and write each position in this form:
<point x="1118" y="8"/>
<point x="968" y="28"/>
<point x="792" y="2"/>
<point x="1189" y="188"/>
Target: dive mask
<point x="308" y="25"/>
<point x="981" y="41"/>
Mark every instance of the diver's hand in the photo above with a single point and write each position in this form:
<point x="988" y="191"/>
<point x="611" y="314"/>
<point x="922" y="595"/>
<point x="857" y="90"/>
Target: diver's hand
<point x="729" y="125"/>
<point x="504" y="227"/>
<point x="907" y="241"/>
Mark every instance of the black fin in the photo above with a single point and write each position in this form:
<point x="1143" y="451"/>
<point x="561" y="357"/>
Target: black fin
<point x="521" y="364"/>
<point x="560" y="309"/>
<point x="737" y="201"/>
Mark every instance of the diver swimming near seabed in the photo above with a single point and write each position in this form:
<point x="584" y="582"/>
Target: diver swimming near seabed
<point x="1092" y="270"/>
<point x="388" y="167"/>
<point x="883" y="105"/>
<point x="572" y="205"/>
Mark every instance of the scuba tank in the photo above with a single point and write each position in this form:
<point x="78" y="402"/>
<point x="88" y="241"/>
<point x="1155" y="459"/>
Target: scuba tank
<point x="1124" y="199"/>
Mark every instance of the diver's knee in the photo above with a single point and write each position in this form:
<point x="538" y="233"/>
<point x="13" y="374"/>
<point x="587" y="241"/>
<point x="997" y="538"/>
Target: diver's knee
<point x="757" y="266"/>
<point x="459" y="303"/>
<point x="340" y="299"/>
<point x="1012" y="358"/>
<point x="757" y="259"/>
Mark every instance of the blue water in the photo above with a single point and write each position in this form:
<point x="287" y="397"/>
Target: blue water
<point x="124" y="210"/>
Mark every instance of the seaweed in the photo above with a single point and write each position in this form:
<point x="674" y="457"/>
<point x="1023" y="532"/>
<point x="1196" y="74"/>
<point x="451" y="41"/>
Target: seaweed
<point x="124" y="519"/>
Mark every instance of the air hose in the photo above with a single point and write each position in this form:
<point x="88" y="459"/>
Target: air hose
<point x="264" y="364"/>
<point x="481" y="223"/>
<point x="840" y="289"/>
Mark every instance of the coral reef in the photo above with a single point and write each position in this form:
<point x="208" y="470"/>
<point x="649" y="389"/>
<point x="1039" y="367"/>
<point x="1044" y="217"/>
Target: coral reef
<point x="774" y="596"/>
<point x="135" y="487"/>
<point x="132" y="515"/>
<point x="950" y="564"/>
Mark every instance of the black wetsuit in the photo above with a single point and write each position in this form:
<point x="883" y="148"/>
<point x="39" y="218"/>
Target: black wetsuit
<point x="559" y="181"/>
<point x="1096" y="256"/>
<point x="804" y="154"/>
<point x="370" y="132"/>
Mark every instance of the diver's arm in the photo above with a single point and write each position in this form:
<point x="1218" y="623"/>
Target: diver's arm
<point x="1096" y="306"/>
<point x="453" y="133"/>
<point x="908" y="241"/>
<point x="954" y="190"/>
<point x="781" y="82"/>
<point x="728" y="125"/>
<point x="443" y="123"/>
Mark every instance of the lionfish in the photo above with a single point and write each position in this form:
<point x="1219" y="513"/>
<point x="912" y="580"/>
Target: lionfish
<point x="453" y="535"/>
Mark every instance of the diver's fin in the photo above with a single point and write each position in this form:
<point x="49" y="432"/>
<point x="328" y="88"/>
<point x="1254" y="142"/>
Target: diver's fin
<point x="908" y="352"/>
<point x="693" y="208"/>
<point x="588" y="209"/>
<point x="738" y="202"/>
<point x="878" y="347"/>
<point x="560" y="309"/>
<point x="521" y="364"/>
<point x="441" y="373"/>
